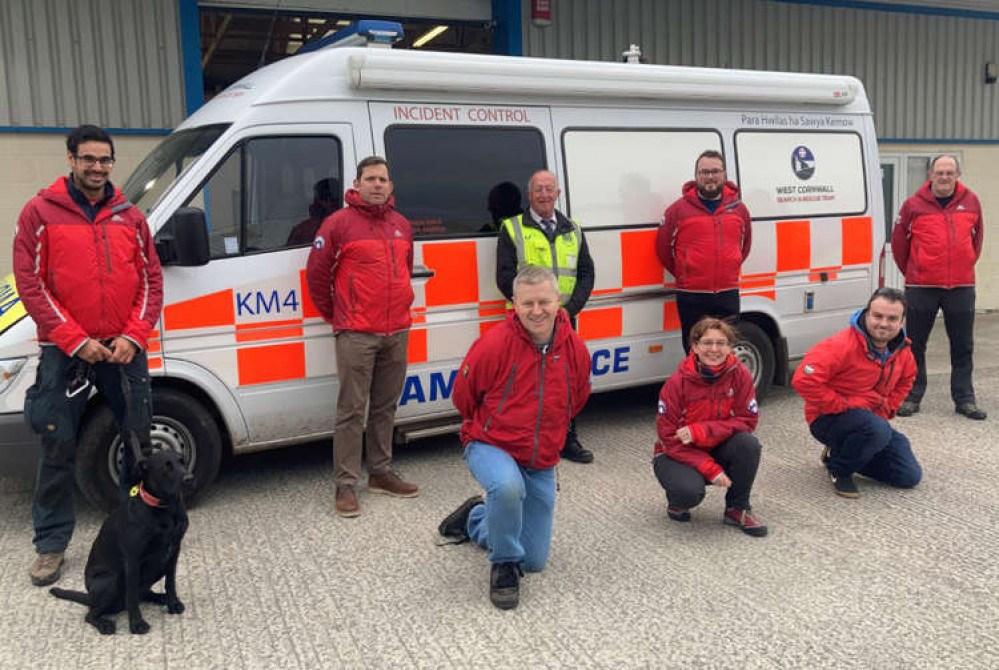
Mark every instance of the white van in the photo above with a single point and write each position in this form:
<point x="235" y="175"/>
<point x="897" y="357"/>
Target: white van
<point x="241" y="360"/>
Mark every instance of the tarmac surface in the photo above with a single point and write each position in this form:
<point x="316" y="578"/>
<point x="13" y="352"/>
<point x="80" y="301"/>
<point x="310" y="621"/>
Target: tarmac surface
<point x="273" y="579"/>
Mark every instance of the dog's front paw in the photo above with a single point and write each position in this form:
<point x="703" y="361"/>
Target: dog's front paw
<point x="103" y="625"/>
<point x="175" y="607"/>
<point x="138" y="627"/>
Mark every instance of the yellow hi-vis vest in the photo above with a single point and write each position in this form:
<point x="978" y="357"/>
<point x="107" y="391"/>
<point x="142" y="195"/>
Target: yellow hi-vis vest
<point x="533" y="248"/>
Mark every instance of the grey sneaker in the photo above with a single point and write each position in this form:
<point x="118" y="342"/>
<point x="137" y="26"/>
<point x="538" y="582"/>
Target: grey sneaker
<point x="907" y="408"/>
<point x="972" y="411"/>
<point x="47" y="568"/>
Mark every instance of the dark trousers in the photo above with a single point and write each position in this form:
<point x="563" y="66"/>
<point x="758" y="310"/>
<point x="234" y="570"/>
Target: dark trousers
<point x="739" y="457"/>
<point x="371" y="370"/>
<point x="861" y="441"/>
<point x="692" y="307"/>
<point x="59" y="416"/>
<point x="958" y="305"/>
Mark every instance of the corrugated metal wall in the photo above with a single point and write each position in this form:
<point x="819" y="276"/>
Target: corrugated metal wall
<point x="924" y="74"/>
<point x="116" y="63"/>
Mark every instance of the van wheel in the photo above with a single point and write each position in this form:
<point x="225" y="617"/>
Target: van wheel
<point x="180" y="423"/>
<point x="755" y="350"/>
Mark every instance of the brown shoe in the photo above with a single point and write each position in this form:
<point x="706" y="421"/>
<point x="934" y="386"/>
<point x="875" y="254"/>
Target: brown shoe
<point x="46" y="569"/>
<point x="392" y="484"/>
<point x="346" y="502"/>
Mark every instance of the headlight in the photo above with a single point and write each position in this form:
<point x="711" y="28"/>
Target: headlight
<point x="9" y="369"/>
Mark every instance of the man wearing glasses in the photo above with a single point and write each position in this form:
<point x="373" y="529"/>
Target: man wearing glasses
<point x="936" y="242"/>
<point x="88" y="274"/>
<point x="852" y="384"/>
<point x="703" y="239"/>
<point x="544" y="237"/>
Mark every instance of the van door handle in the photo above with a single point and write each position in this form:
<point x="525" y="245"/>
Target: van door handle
<point x="422" y="272"/>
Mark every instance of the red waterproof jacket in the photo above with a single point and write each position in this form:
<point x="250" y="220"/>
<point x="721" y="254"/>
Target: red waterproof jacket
<point x="515" y="396"/>
<point x="714" y="412"/>
<point x="80" y="278"/>
<point x="935" y="246"/>
<point x="845" y="371"/>
<point x="705" y="251"/>
<point x="359" y="268"/>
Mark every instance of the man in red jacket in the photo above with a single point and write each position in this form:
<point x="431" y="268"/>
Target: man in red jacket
<point x="852" y="384"/>
<point x="936" y="242"/>
<point x="358" y="275"/>
<point x="88" y="274"/>
<point x="703" y="240"/>
<point x="516" y="390"/>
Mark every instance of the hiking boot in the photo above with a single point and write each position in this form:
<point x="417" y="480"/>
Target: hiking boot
<point x="907" y="408"/>
<point x="574" y="451"/>
<point x="392" y="484"/>
<point x="844" y="485"/>
<point x="971" y="410"/>
<point x="504" y="585"/>
<point x="346" y="502"/>
<point x="455" y="524"/>
<point x="47" y="568"/>
<point x="678" y="513"/>
<point x="746" y="520"/>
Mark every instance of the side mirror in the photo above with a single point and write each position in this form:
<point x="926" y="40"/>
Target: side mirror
<point x="184" y="239"/>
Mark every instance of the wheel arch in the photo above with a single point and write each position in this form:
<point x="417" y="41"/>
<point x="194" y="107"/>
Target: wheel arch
<point x="768" y="324"/>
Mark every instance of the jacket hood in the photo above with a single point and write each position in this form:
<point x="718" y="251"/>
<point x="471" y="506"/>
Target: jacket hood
<point x="960" y="191"/>
<point x="730" y="194"/>
<point x="896" y="343"/>
<point x="353" y="198"/>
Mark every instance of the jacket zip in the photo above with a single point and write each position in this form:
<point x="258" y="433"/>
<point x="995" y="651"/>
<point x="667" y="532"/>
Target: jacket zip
<point x="541" y="402"/>
<point x="568" y="388"/>
<point x="506" y="392"/>
<point x="107" y="246"/>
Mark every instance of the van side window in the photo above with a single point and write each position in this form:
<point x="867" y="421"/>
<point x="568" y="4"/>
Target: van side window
<point x="627" y="177"/>
<point x="457" y="181"/>
<point x="271" y="193"/>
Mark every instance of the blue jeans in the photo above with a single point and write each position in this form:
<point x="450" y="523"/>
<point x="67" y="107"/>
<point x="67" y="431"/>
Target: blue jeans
<point x="52" y="511"/>
<point x="861" y="441"/>
<point x="515" y="523"/>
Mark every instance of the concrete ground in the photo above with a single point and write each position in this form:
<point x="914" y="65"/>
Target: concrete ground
<point x="272" y="579"/>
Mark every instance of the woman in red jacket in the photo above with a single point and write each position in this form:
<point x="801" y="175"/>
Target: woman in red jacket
<point x="707" y="414"/>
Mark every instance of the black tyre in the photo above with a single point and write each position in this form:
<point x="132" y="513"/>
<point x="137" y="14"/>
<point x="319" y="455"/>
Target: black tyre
<point x="180" y="423"/>
<point x="755" y="350"/>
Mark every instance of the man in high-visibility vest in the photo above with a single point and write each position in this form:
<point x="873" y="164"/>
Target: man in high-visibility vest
<point x="543" y="236"/>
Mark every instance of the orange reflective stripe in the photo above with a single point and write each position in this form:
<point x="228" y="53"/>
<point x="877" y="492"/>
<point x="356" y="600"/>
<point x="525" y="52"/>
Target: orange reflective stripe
<point x="214" y="309"/>
<point x="308" y="309"/>
<point x="268" y="330"/>
<point x="830" y="273"/>
<point x="755" y="283"/>
<point x="416" y="348"/>
<point x="639" y="264"/>
<point x="857" y="241"/>
<point x="456" y="273"/>
<point x="271" y="363"/>
<point x="671" y="317"/>
<point x="794" y="245"/>
<point x="153" y="347"/>
<point x="597" y="324"/>
<point x="155" y="363"/>
<point x="770" y="295"/>
<point x="605" y="291"/>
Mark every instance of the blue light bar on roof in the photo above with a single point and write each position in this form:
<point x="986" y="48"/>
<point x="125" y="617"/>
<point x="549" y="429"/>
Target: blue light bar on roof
<point x="361" y="33"/>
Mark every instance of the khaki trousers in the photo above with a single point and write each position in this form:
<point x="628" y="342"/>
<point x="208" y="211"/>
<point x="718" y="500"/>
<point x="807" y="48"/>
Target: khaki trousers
<point x="371" y="370"/>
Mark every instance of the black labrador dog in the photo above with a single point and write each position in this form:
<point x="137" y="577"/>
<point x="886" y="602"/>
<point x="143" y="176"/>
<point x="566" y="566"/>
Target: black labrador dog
<point x="137" y="546"/>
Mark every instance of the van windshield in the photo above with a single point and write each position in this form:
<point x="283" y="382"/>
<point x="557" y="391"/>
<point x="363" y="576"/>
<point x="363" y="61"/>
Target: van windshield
<point x="164" y="164"/>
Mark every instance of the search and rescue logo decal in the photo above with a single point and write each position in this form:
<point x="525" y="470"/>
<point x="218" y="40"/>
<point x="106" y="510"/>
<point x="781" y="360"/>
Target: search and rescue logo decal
<point x="662" y="407"/>
<point x="803" y="162"/>
<point x="753" y="407"/>
<point x="319" y="242"/>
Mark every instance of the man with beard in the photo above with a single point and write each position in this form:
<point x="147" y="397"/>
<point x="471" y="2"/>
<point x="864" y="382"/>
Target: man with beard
<point x="852" y="384"/>
<point x="703" y="239"/>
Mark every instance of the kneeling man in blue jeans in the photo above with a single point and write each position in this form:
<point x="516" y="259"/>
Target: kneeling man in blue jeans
<point x="852" y="384"/>
<point x="516" y="390"/>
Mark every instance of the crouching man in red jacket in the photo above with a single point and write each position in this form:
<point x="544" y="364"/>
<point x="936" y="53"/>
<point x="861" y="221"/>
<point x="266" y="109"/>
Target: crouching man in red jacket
<point x="852" y="384"/>
<point x="516" y="390"/>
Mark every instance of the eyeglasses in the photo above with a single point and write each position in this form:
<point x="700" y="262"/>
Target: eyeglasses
<point x="713" y="344"/>
<point x="947" y="173"/>
<point x="90" y="161"/>
<point x="709" y="173"/>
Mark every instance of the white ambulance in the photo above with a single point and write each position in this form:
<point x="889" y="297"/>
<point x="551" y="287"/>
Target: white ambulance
<point x="241" y="361"/>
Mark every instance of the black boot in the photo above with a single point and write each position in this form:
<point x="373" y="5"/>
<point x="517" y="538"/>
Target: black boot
<point x="573" y="450"/>
<point x="504" y="585"/>
<point x="455" y="525"/>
